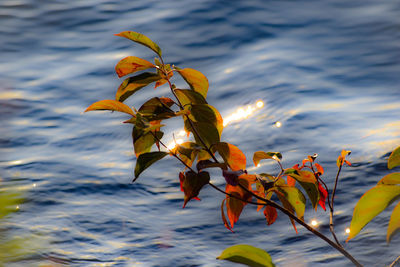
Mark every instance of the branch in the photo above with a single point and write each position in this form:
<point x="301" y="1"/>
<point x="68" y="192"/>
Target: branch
<point x="305" y="225"/>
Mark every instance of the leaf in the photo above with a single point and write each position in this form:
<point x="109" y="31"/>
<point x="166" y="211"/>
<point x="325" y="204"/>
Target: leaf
<point x="207" y="131"/>
<point x="390" y="179"/>
<point x="196" y="80"/>
<point x="192" y="183"/>
<point x="232" y="177"/>
<point x="224" y="218"/>
<point x="394" y="158"/>
<point x="308" y="181"/>
<point x="270" y="214"/>
<point x="323" y="195"/>
<point x="232" y="155"/>
<point x="206" y="113"/>
<point x="234" y="208"/>
<point x="157" y="109"/>
<point x="131" y="65"/>
<point x="342" y="158"/>
<point x="145" y="160"/>
<point x="319" y="169"/>
<point x="142" y="142"/>
<point x="394" y="223"/>
<point x="287" y="206"/>
<point x="248" y="255"/>
<point x="133" y="84"/>
<point x="293" y="196"/>
<point x="259" y="155"/>
<point x="187" y="152"/>
<point x="189" y="97"/>
<point x="204" y="164"/>
<point x="112" y="105"/>
<point x="141" y="39"/>
<point x="373" y="202"/>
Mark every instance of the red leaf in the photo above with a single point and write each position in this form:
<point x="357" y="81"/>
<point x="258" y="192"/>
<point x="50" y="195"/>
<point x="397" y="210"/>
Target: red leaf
<point x="191" y="184"/>
<point x="270" y="214"/>
<point x="323" y="195"/>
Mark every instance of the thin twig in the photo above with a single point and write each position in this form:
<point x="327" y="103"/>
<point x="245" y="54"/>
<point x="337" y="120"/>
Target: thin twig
<point x="395" y="262"/>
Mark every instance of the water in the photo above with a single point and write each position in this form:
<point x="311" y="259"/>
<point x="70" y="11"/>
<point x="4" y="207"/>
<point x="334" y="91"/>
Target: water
<point x="327" y="70"/>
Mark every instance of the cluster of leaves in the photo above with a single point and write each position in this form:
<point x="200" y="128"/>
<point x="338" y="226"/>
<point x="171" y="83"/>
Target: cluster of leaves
<point x="377" y="199"/>
<point x="206" y="150"/>
<point x="291" y="186"/>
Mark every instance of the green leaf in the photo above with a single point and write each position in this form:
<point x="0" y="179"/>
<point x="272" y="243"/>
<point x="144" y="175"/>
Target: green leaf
<point x="208" y="132"/>
<point x="394" y="158"/>
<point x="394" y="223"/>
<point x="131" y="65"/>
<point x="133" y="84"/>
<point x="248" y="255"/>
<point x="188" y="97"/>
<point x="295" y="197"/>
<point x="145" y="160"/>
<point x="196" y="80"/>
<point x="373" y="202"/>
<point x="141" y="39"/>
<point x="390" y="179"/>
<point x="142" y="142"/>
<point x="308" y="181"/>
<point x="157" y="109"/>
<point x="112" y="105"/>
<point x="259" y="155"/>
<point x="206" y="113"/>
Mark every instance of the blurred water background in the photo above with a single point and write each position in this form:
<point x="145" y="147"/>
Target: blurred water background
<point x="328" y="71"/>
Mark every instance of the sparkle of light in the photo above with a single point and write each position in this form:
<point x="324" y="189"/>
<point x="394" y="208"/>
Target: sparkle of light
<point x="278" y="124"/>
<point x="17" y="207"/>
<point x="347" y="230"/>
<point x="34" y="185"/>
<point x="179" y="141"/>
<point x="259" y="104"/>
<point x="314" y="223"/>
<point x="182" y="133"/>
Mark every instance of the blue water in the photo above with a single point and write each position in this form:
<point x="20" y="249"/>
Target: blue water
<point x="329" y="71"/>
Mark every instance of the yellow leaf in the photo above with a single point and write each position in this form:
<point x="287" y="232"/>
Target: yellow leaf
<point x="132" y="64"/>
<point x="373" y="202"/>
<point x="394" y="158"/>
<point x="394" y="223"/>
<point x="112" y="105"/>
<point x="141" y="39"/>
<point x="196" y="80"/>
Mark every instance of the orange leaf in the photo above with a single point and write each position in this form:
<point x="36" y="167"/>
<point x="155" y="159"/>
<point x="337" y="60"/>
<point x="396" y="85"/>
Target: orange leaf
<point x="232" y="155"/>
<point x="234" y="208"/>
<point x="319" y="168"/>
<point x="270" y="214"/>
<point x="112" y="105"/>
<point x="132" y="64"/>
<point x="224" y="218"/>
<point x="342" y="157"/>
